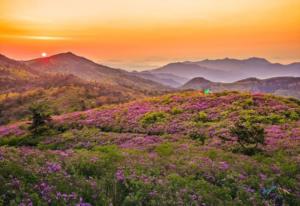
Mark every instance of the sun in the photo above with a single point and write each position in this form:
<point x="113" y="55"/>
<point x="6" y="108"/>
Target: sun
<point x="43" y="54"/>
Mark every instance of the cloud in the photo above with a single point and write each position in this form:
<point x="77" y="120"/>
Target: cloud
<point x="42" y="38"/>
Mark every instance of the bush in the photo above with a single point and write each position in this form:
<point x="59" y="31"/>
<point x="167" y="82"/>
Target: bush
<point x="153" y="117"/>
<point x="176" y="110"/>
<point x="201" y="117"/>
<point x="198" y="136"/>
<point x="249" y="136"/>
<point x="248" y="103"/>
<point x="164" y="149"/>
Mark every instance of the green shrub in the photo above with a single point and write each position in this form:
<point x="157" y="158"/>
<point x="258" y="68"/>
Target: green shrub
<point x="274" y="119"/>
<point x="11" y="141"/>
<point x="165" y="149"/>
<point x="176" y="110"/>
<point x="251" y="117"/>
<point x="212" y="154"/>
<point x="201" y="117"/>
<point x="249" y="136"/>
<point x="292" y="115"/>
<point x="198" y="136"/>
<point x="153" y="117"/>
<point x="247" y="103"/>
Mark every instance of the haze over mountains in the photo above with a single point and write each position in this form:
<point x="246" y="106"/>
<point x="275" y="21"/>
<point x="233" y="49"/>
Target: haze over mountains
<point x="229" y="70"/>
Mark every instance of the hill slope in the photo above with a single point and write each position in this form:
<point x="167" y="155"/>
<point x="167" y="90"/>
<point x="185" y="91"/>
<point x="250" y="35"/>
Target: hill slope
<point x="148" y="150"/>
<point x="15" y="75"/>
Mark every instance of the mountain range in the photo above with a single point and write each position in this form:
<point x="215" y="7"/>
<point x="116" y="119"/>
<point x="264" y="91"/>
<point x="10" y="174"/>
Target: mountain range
<point x="283" y="86"/>
<point x="229" y="70"/>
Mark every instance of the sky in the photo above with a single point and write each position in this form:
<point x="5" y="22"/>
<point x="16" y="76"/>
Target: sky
<point x="144" y="34"/>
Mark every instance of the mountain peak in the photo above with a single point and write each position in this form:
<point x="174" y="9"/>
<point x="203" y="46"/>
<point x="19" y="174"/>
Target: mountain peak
<point x="257" y="60"/>
<point x="250" y="79"/>
<point x="200" y="79"/>
<point x="5" y="58"/>
<point x="66" y="55"/>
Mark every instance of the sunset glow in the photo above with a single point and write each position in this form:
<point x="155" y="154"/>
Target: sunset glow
<point x="137" y="34"/>
<point x="44" y="54"/>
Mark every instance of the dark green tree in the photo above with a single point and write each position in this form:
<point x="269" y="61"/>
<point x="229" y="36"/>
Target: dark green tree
<point x="249" y="136"/>
<point x="41" y="117"/>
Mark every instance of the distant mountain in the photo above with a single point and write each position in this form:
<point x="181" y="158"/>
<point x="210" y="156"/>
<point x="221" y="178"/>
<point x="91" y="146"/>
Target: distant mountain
<point x="69" y="63"/>
<point x="229" y="70"/>
<point x="284" y="86"/>
<point x="190" y="70"/>
<point x="163" y="78"/>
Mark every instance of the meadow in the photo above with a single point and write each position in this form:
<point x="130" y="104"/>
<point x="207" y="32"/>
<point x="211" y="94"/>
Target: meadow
<point x="183" y="148"/>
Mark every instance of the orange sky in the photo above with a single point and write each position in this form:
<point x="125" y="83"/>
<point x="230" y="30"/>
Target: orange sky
<point x="139" y="34"/>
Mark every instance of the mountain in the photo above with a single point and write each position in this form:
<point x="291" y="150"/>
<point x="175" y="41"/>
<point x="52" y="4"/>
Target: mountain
<point x="163" y="78"/>
<point x="190" y="70"/>
<point x="69" y="63"/>
<point x="178" y="149"/>
<point x="229" y="70"/>
<point x="67" y="83"/>
<point x="285" y="86"/>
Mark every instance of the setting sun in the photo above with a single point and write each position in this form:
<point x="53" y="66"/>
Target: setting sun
<point x="44" y="54"/>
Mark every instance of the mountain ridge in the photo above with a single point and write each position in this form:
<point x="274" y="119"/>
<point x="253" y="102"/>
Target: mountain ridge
<point x="230" y="69"/>
<point x="283" y="86"/>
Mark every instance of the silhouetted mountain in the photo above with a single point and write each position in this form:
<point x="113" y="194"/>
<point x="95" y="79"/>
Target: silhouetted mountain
<point x="15" y="75"/>
<point x="284" y="86"/>
<point x="69" y="63"/>
<point x="229" y="70"/>
<point x="58" y="81"/>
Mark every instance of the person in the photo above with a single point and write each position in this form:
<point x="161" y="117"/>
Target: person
<point x="207" y="91"/>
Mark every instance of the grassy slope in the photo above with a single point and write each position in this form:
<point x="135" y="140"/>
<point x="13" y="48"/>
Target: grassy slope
<point x="141" y="153"/>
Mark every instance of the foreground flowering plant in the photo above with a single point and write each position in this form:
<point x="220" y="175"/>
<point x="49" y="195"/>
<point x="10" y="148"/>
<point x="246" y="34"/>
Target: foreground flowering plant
<point x="168" y="150"/>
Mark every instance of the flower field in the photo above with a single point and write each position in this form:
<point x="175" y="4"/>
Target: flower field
<point x="177" y="149"/>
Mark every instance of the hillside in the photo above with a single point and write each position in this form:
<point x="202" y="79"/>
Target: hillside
<point x="230" y="70"/>
<point x="283" y="86"/>
<point x="15" y="75"/>
<point x="158" y="151"/>
<point x="23" y="84"/>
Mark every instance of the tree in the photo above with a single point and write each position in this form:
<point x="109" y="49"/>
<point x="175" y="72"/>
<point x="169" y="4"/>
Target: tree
<point x="249" y="136"/>
<point x="41" y="116"/>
